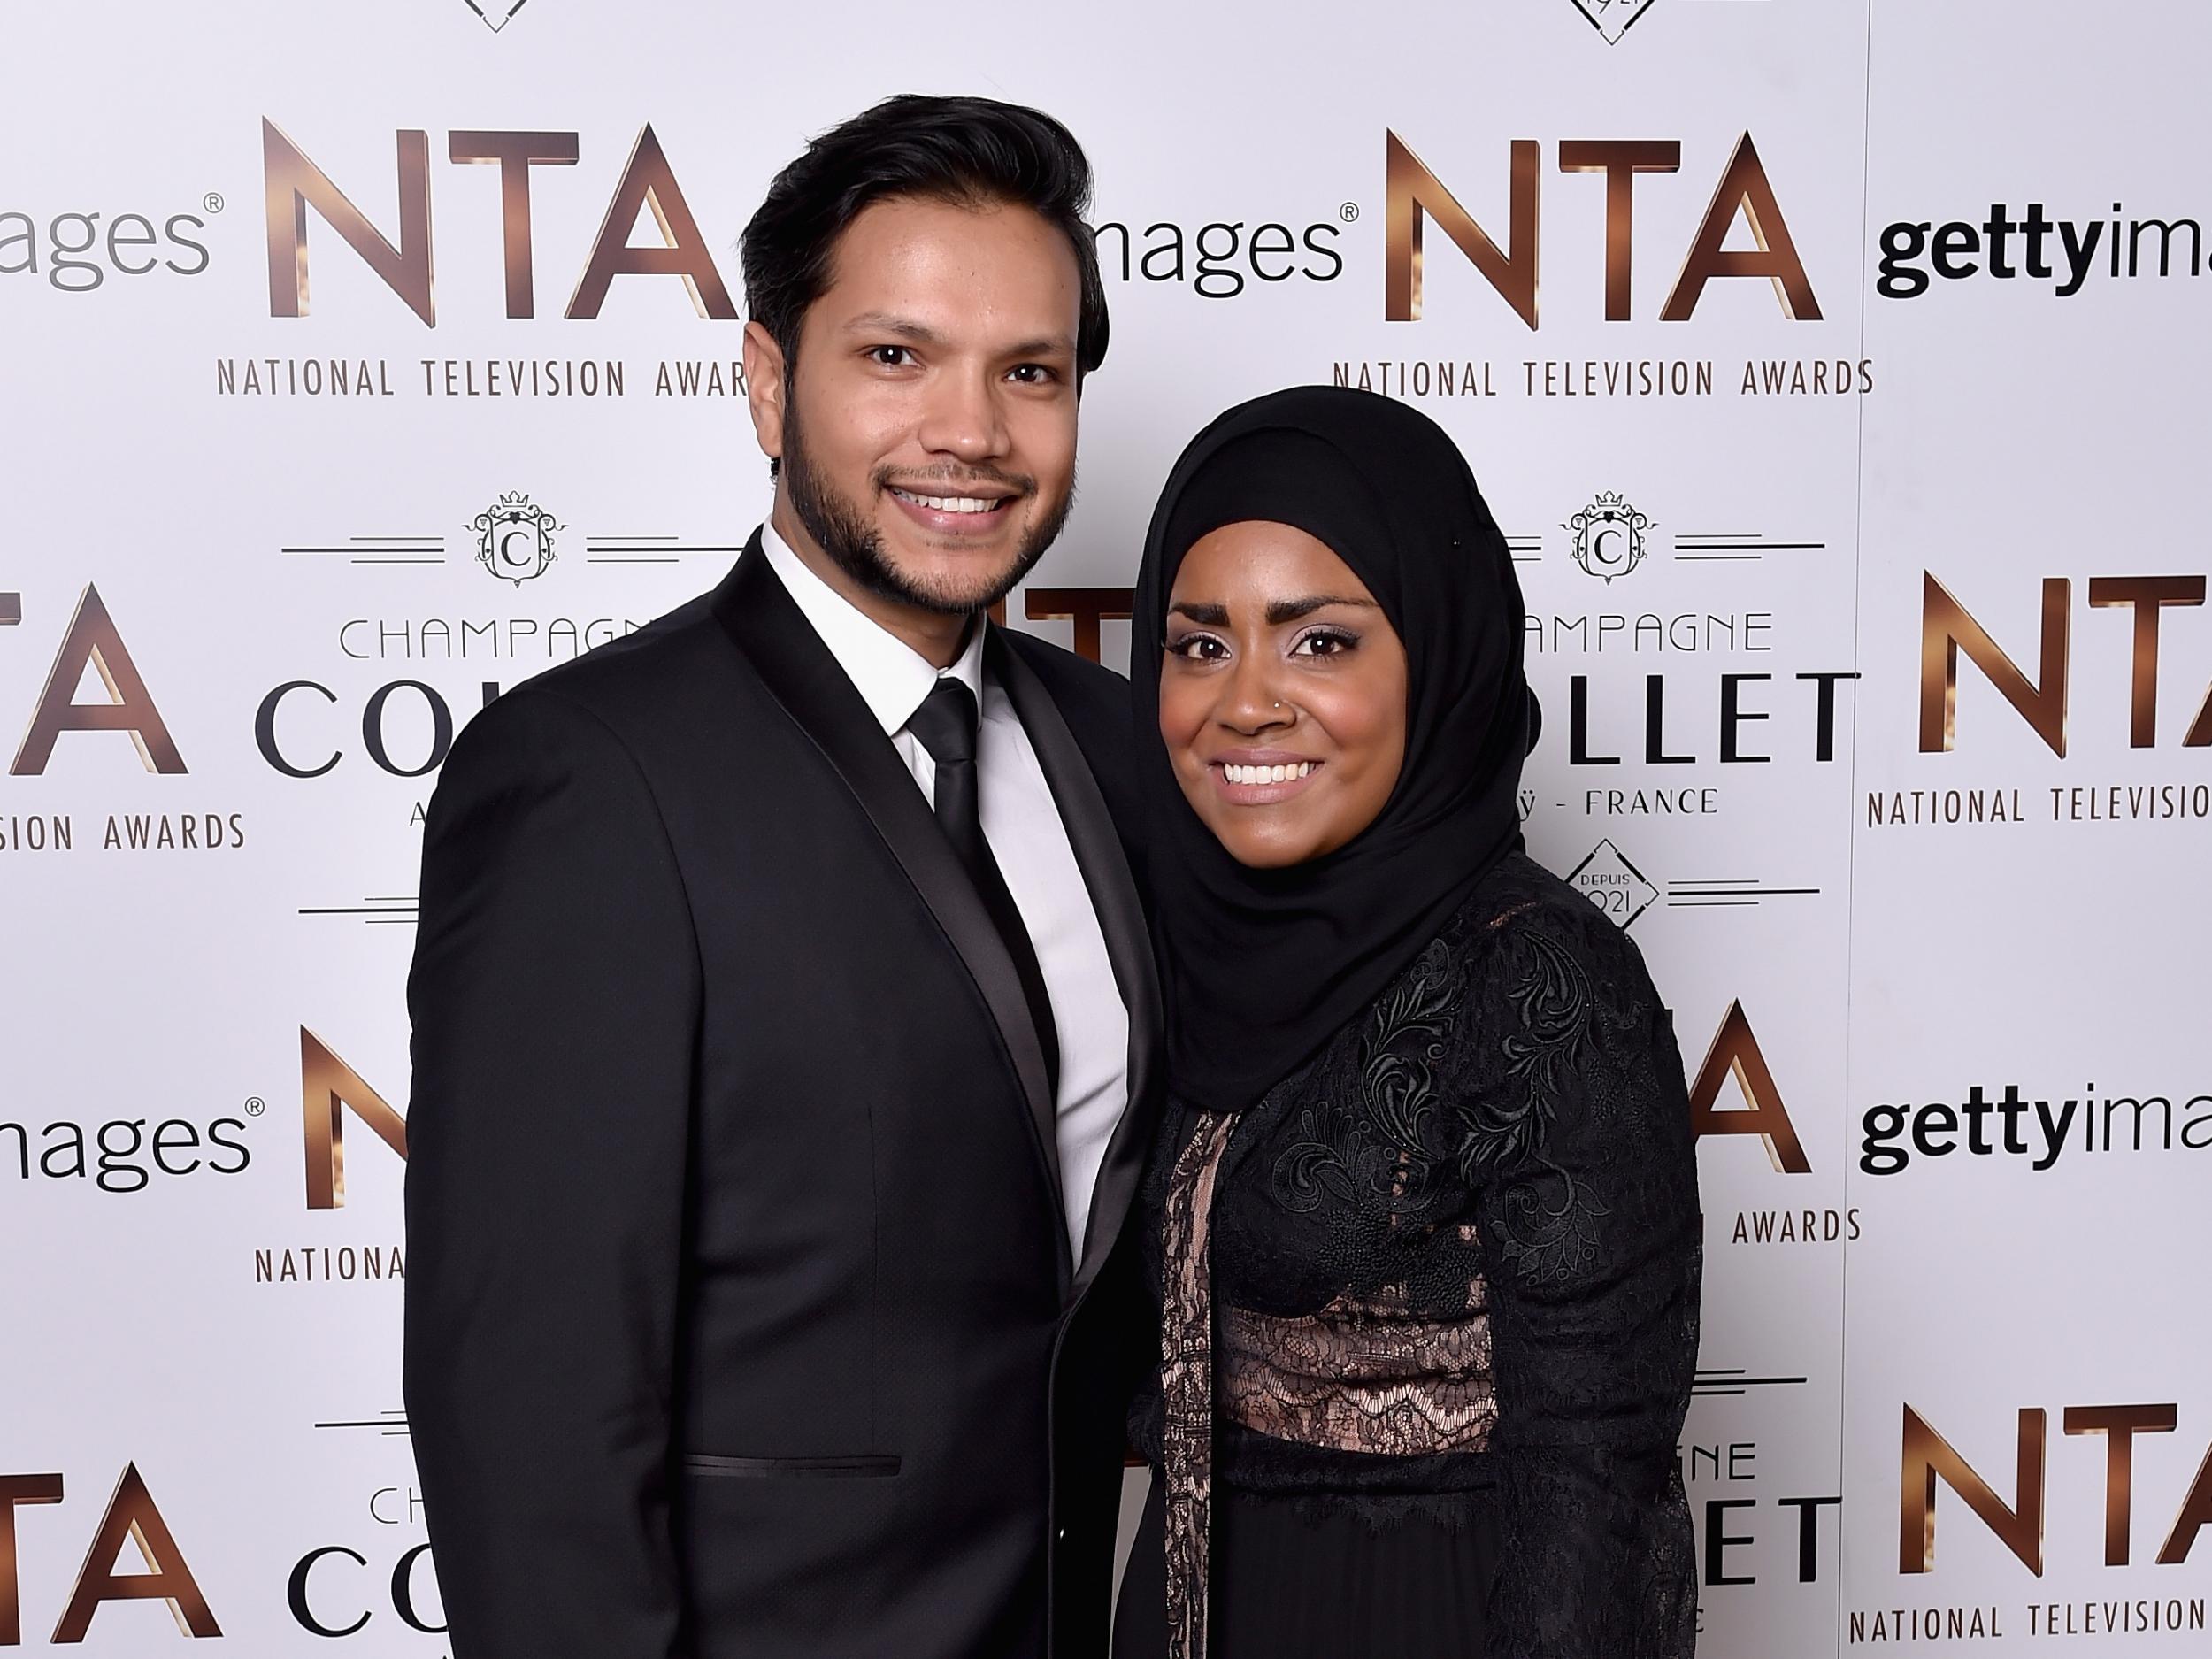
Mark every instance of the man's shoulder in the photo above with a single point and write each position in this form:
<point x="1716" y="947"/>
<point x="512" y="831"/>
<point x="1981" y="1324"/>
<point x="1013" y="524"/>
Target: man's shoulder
<point x="610" y="700"/>
<point x="642" y="666"/>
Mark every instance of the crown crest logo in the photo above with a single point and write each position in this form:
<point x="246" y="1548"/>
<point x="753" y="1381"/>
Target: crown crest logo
<point x="1609" y="536"/>
<point x="514" y="538"/>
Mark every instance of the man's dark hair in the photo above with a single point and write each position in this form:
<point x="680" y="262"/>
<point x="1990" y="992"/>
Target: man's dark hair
<point x="968" y="151"/>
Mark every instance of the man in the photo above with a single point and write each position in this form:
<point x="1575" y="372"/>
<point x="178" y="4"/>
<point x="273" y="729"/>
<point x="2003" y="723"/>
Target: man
<point x="785" y="1034"/>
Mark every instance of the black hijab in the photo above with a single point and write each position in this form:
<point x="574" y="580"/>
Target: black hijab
<point x="1265" y="965"/>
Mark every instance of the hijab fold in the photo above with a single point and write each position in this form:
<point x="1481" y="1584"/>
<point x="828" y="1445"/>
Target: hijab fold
<point x="1265" y="966"/>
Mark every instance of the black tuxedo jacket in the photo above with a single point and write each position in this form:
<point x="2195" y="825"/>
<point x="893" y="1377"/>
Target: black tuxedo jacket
<point x="740" y="1316"/>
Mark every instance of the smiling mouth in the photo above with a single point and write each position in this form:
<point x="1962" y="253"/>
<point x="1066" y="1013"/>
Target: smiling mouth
<point x="975" y="505"/>
<point x="1267" y="774"/>
<point x="1244" y="784"/>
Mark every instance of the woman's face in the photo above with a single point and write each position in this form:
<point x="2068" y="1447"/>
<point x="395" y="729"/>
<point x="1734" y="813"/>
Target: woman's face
<point x="1282" y="693"/>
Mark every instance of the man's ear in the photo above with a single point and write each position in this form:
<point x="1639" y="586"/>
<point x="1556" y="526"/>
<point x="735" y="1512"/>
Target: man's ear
<point x="765" y="388"/>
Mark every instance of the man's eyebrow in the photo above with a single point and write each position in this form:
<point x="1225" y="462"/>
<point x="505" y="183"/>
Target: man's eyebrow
<point x="888" y="323"/>
<point x="1043" y="346"/>
<point x="1205" y="615"/>
<point x="1282" y="611"/>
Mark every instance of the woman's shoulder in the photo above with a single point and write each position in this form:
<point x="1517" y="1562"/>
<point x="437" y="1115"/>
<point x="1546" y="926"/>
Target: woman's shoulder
<point x="1519" y="902"/>
<point x="1570" y="1057"/>
<point x="1546" y="963"/>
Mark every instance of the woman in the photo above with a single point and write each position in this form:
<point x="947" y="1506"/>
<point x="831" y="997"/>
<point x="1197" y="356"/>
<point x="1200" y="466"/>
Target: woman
<point x="1423" y="1212"/>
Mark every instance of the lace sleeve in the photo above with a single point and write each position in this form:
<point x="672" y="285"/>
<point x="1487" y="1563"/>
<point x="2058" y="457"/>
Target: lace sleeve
<point x="1577" y="1146"/>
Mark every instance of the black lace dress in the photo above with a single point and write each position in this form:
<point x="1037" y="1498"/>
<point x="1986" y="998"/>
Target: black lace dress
<point x="1429" y="1316"/>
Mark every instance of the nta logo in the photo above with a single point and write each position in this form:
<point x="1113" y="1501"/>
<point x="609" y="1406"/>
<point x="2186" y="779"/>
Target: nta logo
<point x="1927" y="1458"/>
<point x="1415" y="195"/>
<point x="293" y="184"/>
<point x="1946" y="628"/>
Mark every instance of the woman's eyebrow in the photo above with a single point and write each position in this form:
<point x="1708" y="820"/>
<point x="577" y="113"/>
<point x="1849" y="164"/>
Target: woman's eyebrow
<point x="1205" y="615"/>
<point x="1281" y="610"/>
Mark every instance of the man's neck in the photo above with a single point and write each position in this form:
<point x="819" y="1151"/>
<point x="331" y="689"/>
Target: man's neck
<point x="936" y="636"/>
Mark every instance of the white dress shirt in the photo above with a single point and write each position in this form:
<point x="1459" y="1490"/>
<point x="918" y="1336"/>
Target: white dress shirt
<point x="1022" y="823"/>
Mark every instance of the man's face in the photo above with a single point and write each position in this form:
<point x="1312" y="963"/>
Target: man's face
<point x="927" y="438"/>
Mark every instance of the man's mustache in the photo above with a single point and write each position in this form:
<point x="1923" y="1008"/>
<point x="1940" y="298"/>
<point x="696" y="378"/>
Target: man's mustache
<point x="950" y="480"/>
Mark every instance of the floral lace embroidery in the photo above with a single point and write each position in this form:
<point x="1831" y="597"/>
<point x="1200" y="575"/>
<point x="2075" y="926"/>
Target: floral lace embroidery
<point x="1385" y="1150"/>
<point x="1187" y="1382"/>
<point x="1547" y="1236"/>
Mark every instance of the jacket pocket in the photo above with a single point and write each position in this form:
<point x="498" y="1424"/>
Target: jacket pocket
<point x="844" y="1467"/>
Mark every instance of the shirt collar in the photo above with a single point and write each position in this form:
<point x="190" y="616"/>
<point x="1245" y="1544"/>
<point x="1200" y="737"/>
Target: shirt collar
<point x="890" y="675"/>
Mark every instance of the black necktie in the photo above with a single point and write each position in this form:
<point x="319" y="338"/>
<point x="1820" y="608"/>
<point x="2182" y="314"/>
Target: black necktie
<point x="945" y="725"/>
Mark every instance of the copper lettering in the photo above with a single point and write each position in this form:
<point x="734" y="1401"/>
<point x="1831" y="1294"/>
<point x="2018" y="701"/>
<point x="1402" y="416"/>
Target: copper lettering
<point x="1928" y="1457"/>
<point x="1744" y="188"/>
<point x="516" y="153"/>
<point x="2120" y="1424"/>
<point x="1620" y="160"/>
<point x="131" y="1515"/>
<point x="646" y="181"/>
<point x="292" y="184"/>
<point x="1413" y="192"/>
<point x="2147" y="596"/>
<point x="1084" y="607"/>
<point x="1946" y="629"/>
<point x="17" y="1489"/>
<point x="329" y="1088"/>
<point x="1735" y="1052"/>
<point x="93" y="641"/>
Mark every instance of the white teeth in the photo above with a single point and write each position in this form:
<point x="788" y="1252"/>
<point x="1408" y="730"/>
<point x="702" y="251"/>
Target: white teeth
<point x="947" y="503"/>
<point x="1266" y="774"/>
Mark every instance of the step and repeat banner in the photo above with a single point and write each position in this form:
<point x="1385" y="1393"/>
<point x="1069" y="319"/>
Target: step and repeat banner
<point x="1837" y="370"/>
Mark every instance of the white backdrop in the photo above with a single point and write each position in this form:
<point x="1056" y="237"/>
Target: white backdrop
<point x="1731" y="499"/>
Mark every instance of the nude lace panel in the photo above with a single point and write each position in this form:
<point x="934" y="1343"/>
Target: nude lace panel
<point x="1363" y="1376"/>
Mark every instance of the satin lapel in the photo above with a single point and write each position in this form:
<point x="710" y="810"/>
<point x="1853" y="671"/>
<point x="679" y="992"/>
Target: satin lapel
<point x="1113" y="893"/>
<point x="805" y="678"/>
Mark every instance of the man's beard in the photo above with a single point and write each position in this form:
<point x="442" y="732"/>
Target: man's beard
<point x="841" y="530"/>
